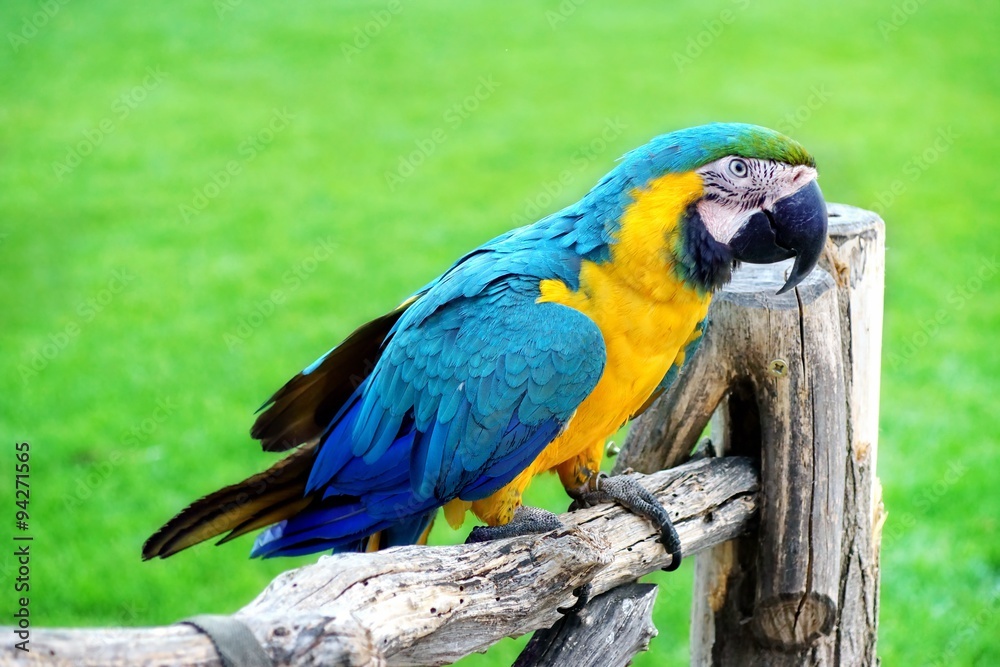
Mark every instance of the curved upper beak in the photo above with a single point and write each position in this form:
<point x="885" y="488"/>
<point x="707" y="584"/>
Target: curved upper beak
<point x="794" y="227"/>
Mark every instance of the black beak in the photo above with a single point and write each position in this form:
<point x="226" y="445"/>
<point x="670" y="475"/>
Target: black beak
<point x="794" y="227"/>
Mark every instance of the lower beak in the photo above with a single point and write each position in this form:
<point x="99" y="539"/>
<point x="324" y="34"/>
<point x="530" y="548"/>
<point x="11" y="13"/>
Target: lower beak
<point x="794" y="227"/>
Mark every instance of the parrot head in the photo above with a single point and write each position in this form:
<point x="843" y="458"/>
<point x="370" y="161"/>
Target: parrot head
<point x="759" y="201"/>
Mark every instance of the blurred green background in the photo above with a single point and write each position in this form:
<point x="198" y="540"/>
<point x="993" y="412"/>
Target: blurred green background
<point x="197" y="199"/>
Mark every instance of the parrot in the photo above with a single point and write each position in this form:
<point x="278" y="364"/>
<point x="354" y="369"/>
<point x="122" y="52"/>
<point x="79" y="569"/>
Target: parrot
<point x="523" y="357"/>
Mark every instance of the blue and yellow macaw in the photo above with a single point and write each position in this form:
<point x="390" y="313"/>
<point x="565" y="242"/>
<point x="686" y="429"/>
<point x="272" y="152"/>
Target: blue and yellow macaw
<point x="523" y="357"/>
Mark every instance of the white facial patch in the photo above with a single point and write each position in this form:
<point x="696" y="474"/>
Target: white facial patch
<point x="721" y="220"/>
<point x="735" y="192"/>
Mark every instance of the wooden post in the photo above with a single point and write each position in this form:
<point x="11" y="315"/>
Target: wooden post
<point x="795" y="380"/>
<point x="858" y="259"/>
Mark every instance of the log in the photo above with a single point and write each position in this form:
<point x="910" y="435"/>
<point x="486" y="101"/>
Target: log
<point x="795" y="381"/>
<point x="608" y="632"/>
<point x="434" y="605"/>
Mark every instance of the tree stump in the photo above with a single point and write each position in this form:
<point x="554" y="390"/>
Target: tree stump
<point x="793" y="381"/>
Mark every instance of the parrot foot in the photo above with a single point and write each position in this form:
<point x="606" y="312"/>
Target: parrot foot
<point x="627" y="492"/>
<point x="526" y="521"/>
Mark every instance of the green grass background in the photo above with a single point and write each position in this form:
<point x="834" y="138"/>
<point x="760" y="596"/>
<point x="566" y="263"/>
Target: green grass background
<point x="118" y="316"/>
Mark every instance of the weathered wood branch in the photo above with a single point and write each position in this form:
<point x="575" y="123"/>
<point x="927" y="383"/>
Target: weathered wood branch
<point x="431" y="606"/>
<point x="795" y="381"/>
<point x="608" y="632"/>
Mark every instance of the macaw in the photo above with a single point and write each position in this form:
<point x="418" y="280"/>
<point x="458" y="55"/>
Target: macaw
<point x="523" y="357"/>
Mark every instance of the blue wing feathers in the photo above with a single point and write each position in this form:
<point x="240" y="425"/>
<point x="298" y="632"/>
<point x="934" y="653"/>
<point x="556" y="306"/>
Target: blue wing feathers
<point x="515" y="364"/>
<point x="475" y="379"/>
<point x="427" y="459"/>
<point x="336" y="450"/>
<point x="450" y="404"/>
<point x="358" y="477"/>
<point x="504" y="469"/>
<point x="407" y="531"/>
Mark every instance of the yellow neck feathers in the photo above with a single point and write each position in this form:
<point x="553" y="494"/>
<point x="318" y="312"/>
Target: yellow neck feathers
<point x="636" y="298"/>
<point x="649" y="231"/>
<point x="641" y="256"/>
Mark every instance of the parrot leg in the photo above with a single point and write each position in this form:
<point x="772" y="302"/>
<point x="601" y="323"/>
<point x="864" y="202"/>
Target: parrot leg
<point x="627" y="492"/>
<point x="526" y="521"/>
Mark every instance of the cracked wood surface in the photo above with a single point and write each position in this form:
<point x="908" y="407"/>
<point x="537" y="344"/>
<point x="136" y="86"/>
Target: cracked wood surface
<point x="859" y="241"/>
<point x="433" y="605"/>
<point x="608" y="632"/>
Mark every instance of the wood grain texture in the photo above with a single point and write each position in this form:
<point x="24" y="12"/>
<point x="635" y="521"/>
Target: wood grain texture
<point x="431" y="606"/>
<point x="608" y="632"/>
<point x="858" y="238"/>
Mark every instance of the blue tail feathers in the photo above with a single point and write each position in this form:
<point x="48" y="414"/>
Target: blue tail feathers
<point x="358" y="498"/>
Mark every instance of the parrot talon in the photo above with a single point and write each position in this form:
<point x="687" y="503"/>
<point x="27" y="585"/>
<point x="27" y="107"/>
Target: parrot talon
<point x="526" y="521"/>
<point x="582" y="594"/>
<point x="627" y="492"/>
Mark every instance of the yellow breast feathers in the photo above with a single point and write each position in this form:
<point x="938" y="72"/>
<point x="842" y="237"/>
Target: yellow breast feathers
<point x="644" y="310"/>
<point x="646" y="314"/>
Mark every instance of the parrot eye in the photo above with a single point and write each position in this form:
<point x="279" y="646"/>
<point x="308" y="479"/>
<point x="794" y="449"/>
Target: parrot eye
<point x="738" y="168"/>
